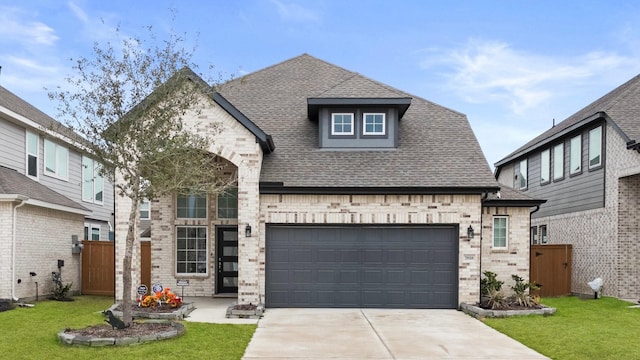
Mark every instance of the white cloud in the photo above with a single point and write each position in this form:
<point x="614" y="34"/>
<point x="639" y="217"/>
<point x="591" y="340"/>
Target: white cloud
<point x="294" y="12"/>
<point x="32" y="32"/>
<point x="78" y="12"/>
<point x="493" y="72"/>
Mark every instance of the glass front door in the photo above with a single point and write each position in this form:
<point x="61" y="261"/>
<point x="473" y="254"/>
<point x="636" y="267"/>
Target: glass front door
<point x="227" y="255"/>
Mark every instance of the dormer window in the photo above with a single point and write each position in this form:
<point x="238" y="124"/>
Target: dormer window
<point x="373" y="124"/>
<point x="342" y="124"/>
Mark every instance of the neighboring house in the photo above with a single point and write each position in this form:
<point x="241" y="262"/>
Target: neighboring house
<point x="350" y="193"/>
<point x="588" y="169"/>
<point x="50" y="195"/>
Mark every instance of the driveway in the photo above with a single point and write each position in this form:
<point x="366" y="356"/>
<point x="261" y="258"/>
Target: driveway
<point x="379" y="334"/>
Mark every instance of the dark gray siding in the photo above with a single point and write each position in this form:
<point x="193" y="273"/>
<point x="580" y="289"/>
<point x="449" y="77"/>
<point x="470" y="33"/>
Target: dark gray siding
<point x="12" y="146"/>
<point x="358" y="140"/>
<point x="578" y="192"/>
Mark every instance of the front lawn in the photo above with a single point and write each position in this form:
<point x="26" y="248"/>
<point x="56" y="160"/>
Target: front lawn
<point x="31" y="333"/>
<point x="580" y="329"/>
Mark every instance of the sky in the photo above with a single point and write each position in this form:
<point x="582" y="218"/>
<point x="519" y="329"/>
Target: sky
<point x="511" y="67"/>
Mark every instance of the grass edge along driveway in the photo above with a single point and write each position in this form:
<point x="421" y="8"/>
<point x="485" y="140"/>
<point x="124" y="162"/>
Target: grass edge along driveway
<point x="31" y="333"/>
<point x="604" y="328"/>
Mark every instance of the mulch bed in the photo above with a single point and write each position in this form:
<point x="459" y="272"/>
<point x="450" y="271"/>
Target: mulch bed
<point x="136" y="329"/>
<point x="512" y="306"/>
<point x="151" y="309"/>
<point x="5" y="306"/>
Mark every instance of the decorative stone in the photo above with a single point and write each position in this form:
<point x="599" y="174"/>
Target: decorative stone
<point x="479" y="312"/>
<point x="71" y="339"/>
<point x="233" y="313"/>
<point x="177" y="314"/>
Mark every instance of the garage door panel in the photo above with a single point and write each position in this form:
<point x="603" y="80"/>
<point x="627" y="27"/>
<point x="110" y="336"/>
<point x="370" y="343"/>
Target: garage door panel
<point x="367" y="266"/>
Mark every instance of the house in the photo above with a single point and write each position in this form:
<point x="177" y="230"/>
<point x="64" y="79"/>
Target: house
<point x="349" y="193"/>
<point x="51" y="198"/>
<point x="588" y="169"/>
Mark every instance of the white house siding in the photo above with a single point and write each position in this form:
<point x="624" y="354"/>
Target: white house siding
<point x="233" y="142"/>
<point x="515" y="259"/>
<point x="43" y="237"/>
<point x="378" y="209"/>
<point x="598" y="249"/>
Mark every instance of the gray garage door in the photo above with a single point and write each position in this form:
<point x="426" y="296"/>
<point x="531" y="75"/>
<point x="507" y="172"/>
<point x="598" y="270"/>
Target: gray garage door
<point x="363" y="266"/>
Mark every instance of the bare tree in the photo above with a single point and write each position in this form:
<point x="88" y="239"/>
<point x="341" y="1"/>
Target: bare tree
<point x="128" y="102"/>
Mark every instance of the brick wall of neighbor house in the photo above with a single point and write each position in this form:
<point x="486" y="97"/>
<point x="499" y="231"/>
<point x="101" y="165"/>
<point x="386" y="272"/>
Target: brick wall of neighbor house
<point x="628" y="246"/>
<point x="594" y="234"/>
<point x="381" y="209"/>
<point x="43" y="237"/>
<point x="6" y="224"/>
<point x="235" y="143"/>
<point x="515" y="259"/>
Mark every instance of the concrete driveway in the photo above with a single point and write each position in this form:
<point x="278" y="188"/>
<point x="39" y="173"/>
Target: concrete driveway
<point x="379" y="334"/>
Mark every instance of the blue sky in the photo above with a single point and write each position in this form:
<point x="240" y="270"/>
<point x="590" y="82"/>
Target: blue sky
<point x="510" y="66"/>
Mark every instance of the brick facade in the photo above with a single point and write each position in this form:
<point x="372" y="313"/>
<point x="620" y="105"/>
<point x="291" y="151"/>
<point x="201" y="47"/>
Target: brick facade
<point x="42" y="237"/>
<point x="515" y="259"/>
<point x="605" y="240"/>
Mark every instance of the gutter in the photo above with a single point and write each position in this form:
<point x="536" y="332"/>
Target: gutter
<point x="22" y="200"/>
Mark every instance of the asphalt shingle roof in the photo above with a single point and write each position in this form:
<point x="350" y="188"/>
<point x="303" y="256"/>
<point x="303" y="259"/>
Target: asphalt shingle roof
<point x="436" y="146"/>
<point x="12" y="182"/>
<point x="622" y="105"/>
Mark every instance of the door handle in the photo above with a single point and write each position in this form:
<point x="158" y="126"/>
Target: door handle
<point x="219" y="264"/>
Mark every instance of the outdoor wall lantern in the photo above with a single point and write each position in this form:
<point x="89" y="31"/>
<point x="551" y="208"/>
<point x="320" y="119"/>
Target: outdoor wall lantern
<point x="470" y="232"/>
<point x="247" y="231"/>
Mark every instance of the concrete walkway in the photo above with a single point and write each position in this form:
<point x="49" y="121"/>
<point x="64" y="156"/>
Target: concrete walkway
<point x="379" y="334"/>
<point x="213" y="310"/>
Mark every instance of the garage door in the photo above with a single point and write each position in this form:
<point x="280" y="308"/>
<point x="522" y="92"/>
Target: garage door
<point x="364" y="266"/>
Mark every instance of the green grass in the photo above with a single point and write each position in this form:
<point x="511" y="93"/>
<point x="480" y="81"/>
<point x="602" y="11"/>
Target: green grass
<point x="580" y="329"/>
<point x="31" y="333"/>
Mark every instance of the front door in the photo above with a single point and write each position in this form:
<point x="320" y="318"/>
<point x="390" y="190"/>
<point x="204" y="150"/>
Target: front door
<point x="227" y="253"/>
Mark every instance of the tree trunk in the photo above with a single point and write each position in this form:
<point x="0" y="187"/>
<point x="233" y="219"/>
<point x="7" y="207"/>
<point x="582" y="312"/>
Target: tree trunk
<point x="126" y="266"/>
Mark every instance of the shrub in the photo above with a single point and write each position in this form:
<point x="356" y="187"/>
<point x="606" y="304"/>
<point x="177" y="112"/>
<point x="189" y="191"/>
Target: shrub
<point x="490" y="282"/>
<point x="521" y="294"/>
<point x="60" y="292"/>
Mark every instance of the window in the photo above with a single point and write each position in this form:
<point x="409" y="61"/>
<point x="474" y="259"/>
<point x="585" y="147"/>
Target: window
<point x="534" y="235"/>
<point x="342" y="124"/>
<point x="191" y="206"/>
<point x="56" y="159"/>
<point x="522" y="174"/>
<point x="145" y="210"/>
<point x="228" y="204"/>
<point x="373" y="124"/>
<point x="32" y="155"/>
<point x="92" y="181"/>
<point x="543" y="234"/>
<point x="595" y="147"/>
<point x="558" y="162"/>
<point x="500" y="224"/>
<point x="91" y="232"/>
<point x="545" y="169"/>
<point x="191" y="250"/>
<point x="576" y="155"/>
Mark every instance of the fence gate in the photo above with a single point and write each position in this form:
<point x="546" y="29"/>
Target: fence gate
<point x="551" y="268"/>
<point x="98" y="268"/>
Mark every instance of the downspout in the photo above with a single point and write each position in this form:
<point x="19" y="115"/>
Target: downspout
<point x="13" y="247"/>
<point x="531" y="213"/>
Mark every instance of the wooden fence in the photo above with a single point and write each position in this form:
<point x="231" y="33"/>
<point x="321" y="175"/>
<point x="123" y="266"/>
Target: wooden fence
<point x="551" y="268"/>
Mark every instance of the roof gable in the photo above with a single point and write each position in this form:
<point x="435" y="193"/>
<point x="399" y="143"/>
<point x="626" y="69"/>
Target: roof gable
<point x="437" y="148"/>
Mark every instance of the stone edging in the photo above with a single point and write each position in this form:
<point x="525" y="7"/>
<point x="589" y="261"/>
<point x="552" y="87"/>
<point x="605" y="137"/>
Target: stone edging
<point x="71" y="339"/>
<point x="478" y="312"/>
<point x="178" y="314"/>
<point x="245" y="314"/>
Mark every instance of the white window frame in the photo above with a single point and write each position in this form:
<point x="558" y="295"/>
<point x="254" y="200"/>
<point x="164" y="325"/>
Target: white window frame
<point x="60" y="157"/>
<point x="506" y="232"/>
<point x="340" y="133"/>
<point x="523" y="176"/>
<point x="29" y="153"/>
<point x="364" y="124"/>
<point x="206" y="207"/>
<point x="543" y="234"/>
<point x="145" y="205"/>
<point x="545" y="166"/>
<point x="595" y="142"/>
<point x="575" y="158"/>
<point x="97" y="181"/>
<point x="205" y="251"/>
<point x="558" y="162"/>
<point x="88" y="230"/>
